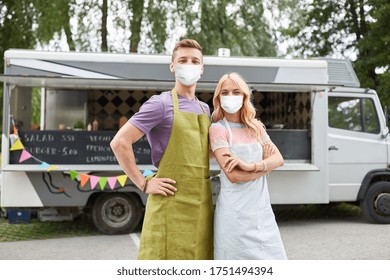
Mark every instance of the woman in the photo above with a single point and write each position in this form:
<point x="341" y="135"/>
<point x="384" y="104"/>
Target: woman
<point x="244" y="223"/>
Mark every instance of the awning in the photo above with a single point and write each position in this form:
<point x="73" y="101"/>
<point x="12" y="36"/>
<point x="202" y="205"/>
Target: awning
<point x="67" y="82"/>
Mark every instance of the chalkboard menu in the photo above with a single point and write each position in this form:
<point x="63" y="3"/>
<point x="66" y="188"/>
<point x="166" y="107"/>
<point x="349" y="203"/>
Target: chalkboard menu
<point x="75" y="147"/>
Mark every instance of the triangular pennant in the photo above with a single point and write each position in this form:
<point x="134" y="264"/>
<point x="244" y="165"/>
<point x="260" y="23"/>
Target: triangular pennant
<point x="83" y="179"/>
<point x="45" y="165"/>
<point x="102" y="182"/>
<point x="122" y="179"/>
<point x="17" y="146"/>
<point x="147" y="172"/>
<point x="112" y="182"/>
<point x="93" y="181"/>
<point x="52" y="167"/>
<point x="24" y="156"/>
<point x="73" y="174"/>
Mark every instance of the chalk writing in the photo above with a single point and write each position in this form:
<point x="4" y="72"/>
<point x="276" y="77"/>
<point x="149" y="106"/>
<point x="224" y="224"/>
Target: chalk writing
<point x="75" y="147"/>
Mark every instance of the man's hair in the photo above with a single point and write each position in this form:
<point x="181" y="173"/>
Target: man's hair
<point x="186" y="43"/>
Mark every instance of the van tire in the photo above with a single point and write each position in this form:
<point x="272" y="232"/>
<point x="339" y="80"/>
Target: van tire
<point x="116" y="213"/>
<point x="376" y="204"/>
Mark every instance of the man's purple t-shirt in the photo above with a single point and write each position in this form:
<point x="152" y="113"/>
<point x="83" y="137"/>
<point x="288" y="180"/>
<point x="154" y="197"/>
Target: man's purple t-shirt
<point x="155" y="118"/>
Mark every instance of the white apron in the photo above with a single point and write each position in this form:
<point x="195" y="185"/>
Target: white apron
<point x="244" y="223"/>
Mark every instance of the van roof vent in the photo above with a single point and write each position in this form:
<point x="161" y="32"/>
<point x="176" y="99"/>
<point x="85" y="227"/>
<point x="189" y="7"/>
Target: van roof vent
<point x="341" y="72"/>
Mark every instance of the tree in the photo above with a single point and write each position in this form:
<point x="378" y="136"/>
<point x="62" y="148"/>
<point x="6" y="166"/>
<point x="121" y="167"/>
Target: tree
<point x="357" y="29"/>
<point x="103" y="30"/>
<point x="16" y="21"/>
<point x="239" y="26"/>
<point x="136" y="7"/>
<point x="52" y="18"/>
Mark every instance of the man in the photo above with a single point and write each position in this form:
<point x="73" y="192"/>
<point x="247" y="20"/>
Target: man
<point x="179" y="213"/>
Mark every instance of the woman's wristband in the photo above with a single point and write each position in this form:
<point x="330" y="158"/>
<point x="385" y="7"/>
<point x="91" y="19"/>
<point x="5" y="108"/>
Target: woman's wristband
<point x="255" y="170"/>
<point x="256" y="167"/>
<point x="265" y="168"/>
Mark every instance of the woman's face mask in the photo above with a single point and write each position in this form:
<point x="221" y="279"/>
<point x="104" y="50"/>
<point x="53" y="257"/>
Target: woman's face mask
<point x="231" y="104"/>
<point x="187" y="74"/>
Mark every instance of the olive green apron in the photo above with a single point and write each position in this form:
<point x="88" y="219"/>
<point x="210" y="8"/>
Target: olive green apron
<point x="181" y="226"/>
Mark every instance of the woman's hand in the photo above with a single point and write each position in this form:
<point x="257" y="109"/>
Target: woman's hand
<point x="268" y="149"/>
<point x="231" y="162"/>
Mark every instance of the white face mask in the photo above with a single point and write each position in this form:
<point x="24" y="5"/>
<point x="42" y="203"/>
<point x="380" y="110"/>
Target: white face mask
<point x="187" y="74"/>
<point x="231" y="104"/>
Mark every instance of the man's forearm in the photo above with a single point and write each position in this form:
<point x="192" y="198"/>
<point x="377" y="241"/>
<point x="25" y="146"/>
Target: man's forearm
<point x="126" y="159"/>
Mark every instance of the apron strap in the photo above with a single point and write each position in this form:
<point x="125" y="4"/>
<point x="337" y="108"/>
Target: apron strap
<point x="204" y="112"/>
<point x="230" y="132"/>
<point x="176" y="101"/>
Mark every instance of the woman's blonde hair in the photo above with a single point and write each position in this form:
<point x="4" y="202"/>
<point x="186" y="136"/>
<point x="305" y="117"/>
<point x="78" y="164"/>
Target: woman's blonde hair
<point x="248" y="111"/>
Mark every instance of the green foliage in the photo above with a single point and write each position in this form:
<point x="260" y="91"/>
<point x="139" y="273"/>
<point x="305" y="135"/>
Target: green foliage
<point x="136" y="8"/>
<point x="36" y="106"/>
<point x="78" y="124"/>
<point x="35" y="230"/>
<point x="346" y="27"/>
<point x="228" y="24"/>
<point x="16" y="20"/>
<point x="53" y="18"/>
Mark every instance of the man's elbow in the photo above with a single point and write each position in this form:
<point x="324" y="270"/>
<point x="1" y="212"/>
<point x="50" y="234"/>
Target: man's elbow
<point x="116" y="144"/>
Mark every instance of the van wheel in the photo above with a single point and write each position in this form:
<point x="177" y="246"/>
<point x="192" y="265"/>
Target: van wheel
<point x="116" y="213"/>
<point x="376" y="204"/>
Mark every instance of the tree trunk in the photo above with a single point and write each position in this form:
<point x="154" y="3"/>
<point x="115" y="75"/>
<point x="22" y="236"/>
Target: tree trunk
<point x="104" y="32"/>
<point x="137" y="8"/>
<point x="68" y="32"/>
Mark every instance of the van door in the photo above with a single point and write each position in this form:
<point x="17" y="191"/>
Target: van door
<point x="355" y="142"/>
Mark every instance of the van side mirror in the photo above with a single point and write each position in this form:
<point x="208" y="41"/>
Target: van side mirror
<point x="385" y="132"/>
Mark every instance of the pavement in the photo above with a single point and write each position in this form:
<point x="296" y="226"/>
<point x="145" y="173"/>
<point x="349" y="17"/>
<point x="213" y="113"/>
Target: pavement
<point x="349" y="238"/>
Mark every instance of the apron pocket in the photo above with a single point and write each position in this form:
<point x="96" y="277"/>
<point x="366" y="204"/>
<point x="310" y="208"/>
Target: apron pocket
<point x="191" y="196"/>
<point x="267" y="227"/>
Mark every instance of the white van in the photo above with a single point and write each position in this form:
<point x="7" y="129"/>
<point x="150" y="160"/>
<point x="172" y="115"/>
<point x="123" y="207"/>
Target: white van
<point x="333" y="135"/>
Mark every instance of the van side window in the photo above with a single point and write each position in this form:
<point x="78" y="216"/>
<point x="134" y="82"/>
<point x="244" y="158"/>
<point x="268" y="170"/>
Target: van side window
<point x="355" y="114"/>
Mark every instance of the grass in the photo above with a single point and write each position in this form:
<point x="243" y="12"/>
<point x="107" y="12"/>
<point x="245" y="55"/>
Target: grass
<point x="317" y="211"/>
<point x="83" y="226"/>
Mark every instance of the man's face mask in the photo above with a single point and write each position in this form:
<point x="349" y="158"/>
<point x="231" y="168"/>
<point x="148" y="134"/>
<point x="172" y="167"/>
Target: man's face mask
<point x="187" y="74"/>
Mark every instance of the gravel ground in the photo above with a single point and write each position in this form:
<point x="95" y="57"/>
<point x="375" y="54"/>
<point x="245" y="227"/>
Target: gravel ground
<point x="83" y="226"/>
<point x="342" y="238"/>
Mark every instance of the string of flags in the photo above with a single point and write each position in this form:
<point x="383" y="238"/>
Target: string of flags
<point x="74" y="175"/>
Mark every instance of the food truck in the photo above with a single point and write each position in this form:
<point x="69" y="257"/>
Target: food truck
<point x="332" y="134"/>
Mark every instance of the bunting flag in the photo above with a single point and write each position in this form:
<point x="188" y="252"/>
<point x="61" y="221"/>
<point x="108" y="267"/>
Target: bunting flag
<point x="24" y="156"/>
<point x="17" y="145"/>
<point x="122" y="179"/>
<point x="52" y="167"/>
<point x="44" y="165"/>
<point x="73" y="174"/>
<point x="112" y="182"/>
<point x="84" y="178"/>
<point x="147" y="172"/>
<point x="103" y="182"/>
<point x="93" y="180"/>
